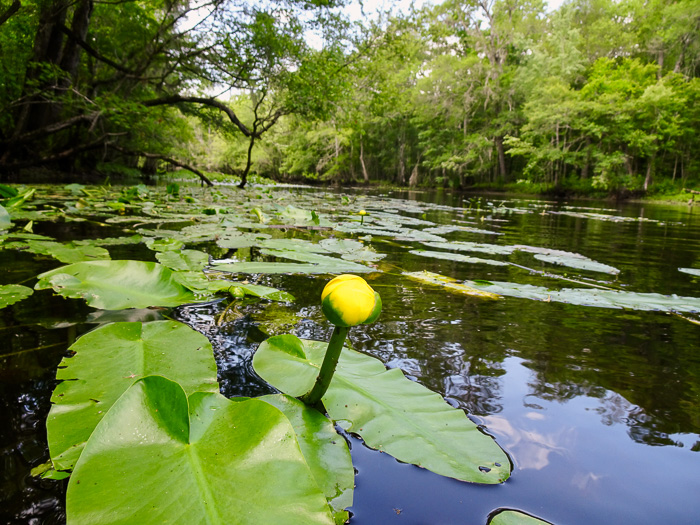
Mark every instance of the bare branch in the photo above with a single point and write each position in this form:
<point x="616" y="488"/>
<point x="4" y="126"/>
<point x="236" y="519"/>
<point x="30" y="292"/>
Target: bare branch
<point x="4" y="17"/>
<point x="177" y="99"/>
<point x="169" y="160"/>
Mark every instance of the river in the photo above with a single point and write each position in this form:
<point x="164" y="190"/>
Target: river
<point x="598" y="406"/>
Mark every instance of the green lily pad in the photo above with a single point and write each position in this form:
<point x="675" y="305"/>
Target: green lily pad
<point x="13" y="293"/>
<point x="390" y="412"/>
<point x="326" y="452"/>
<point x="458" y="257"/>
<point x="492" y="249"/>
<point x="515" y="517"/>
<point x="351" y="250"/>
<point x="158" y="457"/>
<point x="309" y="263"/>
<point x="185" y="260"/>
<point x="5" y="222"/>
<point x="114" y="285"/>
<point x="164" y="245"/>
<point x="68" y="252"/>
<point x="594" y="297"/>
<point x="107" y="361"/>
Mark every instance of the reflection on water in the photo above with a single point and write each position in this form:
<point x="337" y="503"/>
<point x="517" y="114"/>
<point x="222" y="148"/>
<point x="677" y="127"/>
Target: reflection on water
<point x="599" y="409"/>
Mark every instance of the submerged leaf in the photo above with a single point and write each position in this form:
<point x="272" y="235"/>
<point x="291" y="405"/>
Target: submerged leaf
<point x="160" y="457"/>
<point x="390" y="412"/>
<point x="449" y="283"/>
<point x="106" y="362"/>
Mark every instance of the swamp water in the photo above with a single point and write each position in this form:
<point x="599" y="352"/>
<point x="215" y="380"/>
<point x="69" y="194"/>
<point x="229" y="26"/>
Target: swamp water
<point x="586" y="369"/>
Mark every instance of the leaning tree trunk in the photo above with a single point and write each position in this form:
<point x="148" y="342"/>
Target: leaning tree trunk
<point x="365" y="175"/>
<point x="501" y="158"/>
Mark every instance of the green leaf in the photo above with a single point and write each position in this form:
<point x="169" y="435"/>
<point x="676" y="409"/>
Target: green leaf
<point x="107" y="361"/>
<point x="311" y="263"/>
<point x="326" y="452"/>
<point x="67" y="252"/>
<point x="114" y="285"/>
<point x="192" y="260"/>
<point x="449" y="283"/>
<point x="159" y="457"/>
<point x="390" y="412"/>
<point x="13" y="293"/>
<point x="5" y="222"/>
<point x="514" y="517"/>
<point x="457" y="257"/>
<point x="594" y="297"/>
<point x="164" y="245"/>
<point x="351" y="250"/>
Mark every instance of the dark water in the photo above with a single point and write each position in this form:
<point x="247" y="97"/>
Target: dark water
<point x="599" y="409"/>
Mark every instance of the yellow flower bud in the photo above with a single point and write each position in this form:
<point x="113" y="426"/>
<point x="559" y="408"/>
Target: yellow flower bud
<point x="348" y="300"/>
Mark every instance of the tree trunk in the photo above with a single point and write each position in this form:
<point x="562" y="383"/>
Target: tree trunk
<point x="501" y="158"/>
<point x="650" y="170"/>
<point x="4" y="17"/>
<point x="365" y="175"/>
<point x="401" y="175"/>
<point x="413" y="180"/>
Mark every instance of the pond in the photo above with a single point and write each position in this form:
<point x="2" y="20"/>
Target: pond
<point x="585" y="368"/>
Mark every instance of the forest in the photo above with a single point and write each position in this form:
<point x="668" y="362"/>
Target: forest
<point x="594" y="96"/>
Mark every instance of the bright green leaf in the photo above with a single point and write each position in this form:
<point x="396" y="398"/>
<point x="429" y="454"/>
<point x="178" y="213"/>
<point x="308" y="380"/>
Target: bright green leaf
<point x="160" y="457"/>
<point x="106" y="362"/>
<point x="391" y="413"/>
<point x="13" y="293"/>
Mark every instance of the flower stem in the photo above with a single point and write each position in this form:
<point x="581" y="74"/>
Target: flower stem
<point x="330" y="361"/>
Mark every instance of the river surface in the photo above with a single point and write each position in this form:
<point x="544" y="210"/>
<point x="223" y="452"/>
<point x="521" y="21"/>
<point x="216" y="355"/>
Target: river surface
<point x="597" y="407"/>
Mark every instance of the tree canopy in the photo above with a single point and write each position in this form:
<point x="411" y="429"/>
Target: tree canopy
<point x="596" y="94"/>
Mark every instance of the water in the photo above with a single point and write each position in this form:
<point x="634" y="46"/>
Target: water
<point x="599" y="409"/>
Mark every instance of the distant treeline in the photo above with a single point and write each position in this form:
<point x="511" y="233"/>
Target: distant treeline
<point x="599" y="94"/>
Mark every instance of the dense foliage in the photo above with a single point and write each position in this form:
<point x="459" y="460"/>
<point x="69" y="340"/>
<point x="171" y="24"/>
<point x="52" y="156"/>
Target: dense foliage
<point x="598" y="94"/>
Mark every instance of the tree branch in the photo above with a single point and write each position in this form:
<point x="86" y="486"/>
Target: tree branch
<point x="177" y="99"/>
<point x="4" y="17"/>
<point x="169" y="160"/>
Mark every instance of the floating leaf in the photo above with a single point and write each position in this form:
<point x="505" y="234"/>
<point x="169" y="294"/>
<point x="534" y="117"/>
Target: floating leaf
<point x="107" y="361"/>
<point x="351" y="250"/>
<point x="594" y="297"/>
<point x="390" y="412"/>
<point x="185" y="260"/>
<point x="314" y="263"/>
<point x="160" y="457"/>
<point x="493" y="249"/>
<point x="514" y="517"/>
<point x="164" y="245"/>
<point x="5" y="222"/>
<point x="690" y="271"/>
<point x="113" y="285"/>
<point x="13" y="293"/>
<point x="67" y="252"/>
<point x="111" y="241"/>
<point x="326" y="452"/>
<point x="449" y="283"/>
<point x="458" y="257"/>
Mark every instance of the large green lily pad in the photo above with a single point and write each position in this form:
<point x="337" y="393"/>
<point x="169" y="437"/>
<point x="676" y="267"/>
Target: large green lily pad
<point x="159" y="457"/>
<point x="515" y="517"/>
<point x="114" y="285"/>
<point x="107" y="361"/>
<point x="326" y="453"/>
<point x="13" y="293"/>
<point x="390" y="412"/>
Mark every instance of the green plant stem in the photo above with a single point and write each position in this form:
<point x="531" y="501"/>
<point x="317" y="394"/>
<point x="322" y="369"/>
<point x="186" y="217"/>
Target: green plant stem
<point x="330" y="361"/>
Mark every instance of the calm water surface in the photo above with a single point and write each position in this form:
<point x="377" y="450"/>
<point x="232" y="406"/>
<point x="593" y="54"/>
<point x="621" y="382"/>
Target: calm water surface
<point x="599" y="409"/>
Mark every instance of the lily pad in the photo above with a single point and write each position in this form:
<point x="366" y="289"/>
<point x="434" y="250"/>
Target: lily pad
<point x="64" y="252"/>
<point x="390" y="412"/>
<point x="185" y="260"/>
<point x="594" y="297"/>
<point x="458" y="257"/>
<point x="449" y="283"/>
<point x="690" y="271"/>
<point x="158" y="457"/>
<point x="515" y="517"/>
<point x="5" y="222"/>
<point x="13" y="293"/>
<point x="114" y="285"/>
<point x="107" y="361"/>
<point x="326" y="452"/>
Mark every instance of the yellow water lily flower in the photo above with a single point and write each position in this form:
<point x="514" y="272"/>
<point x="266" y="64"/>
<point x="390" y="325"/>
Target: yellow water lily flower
<point x="348" y="300"/>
